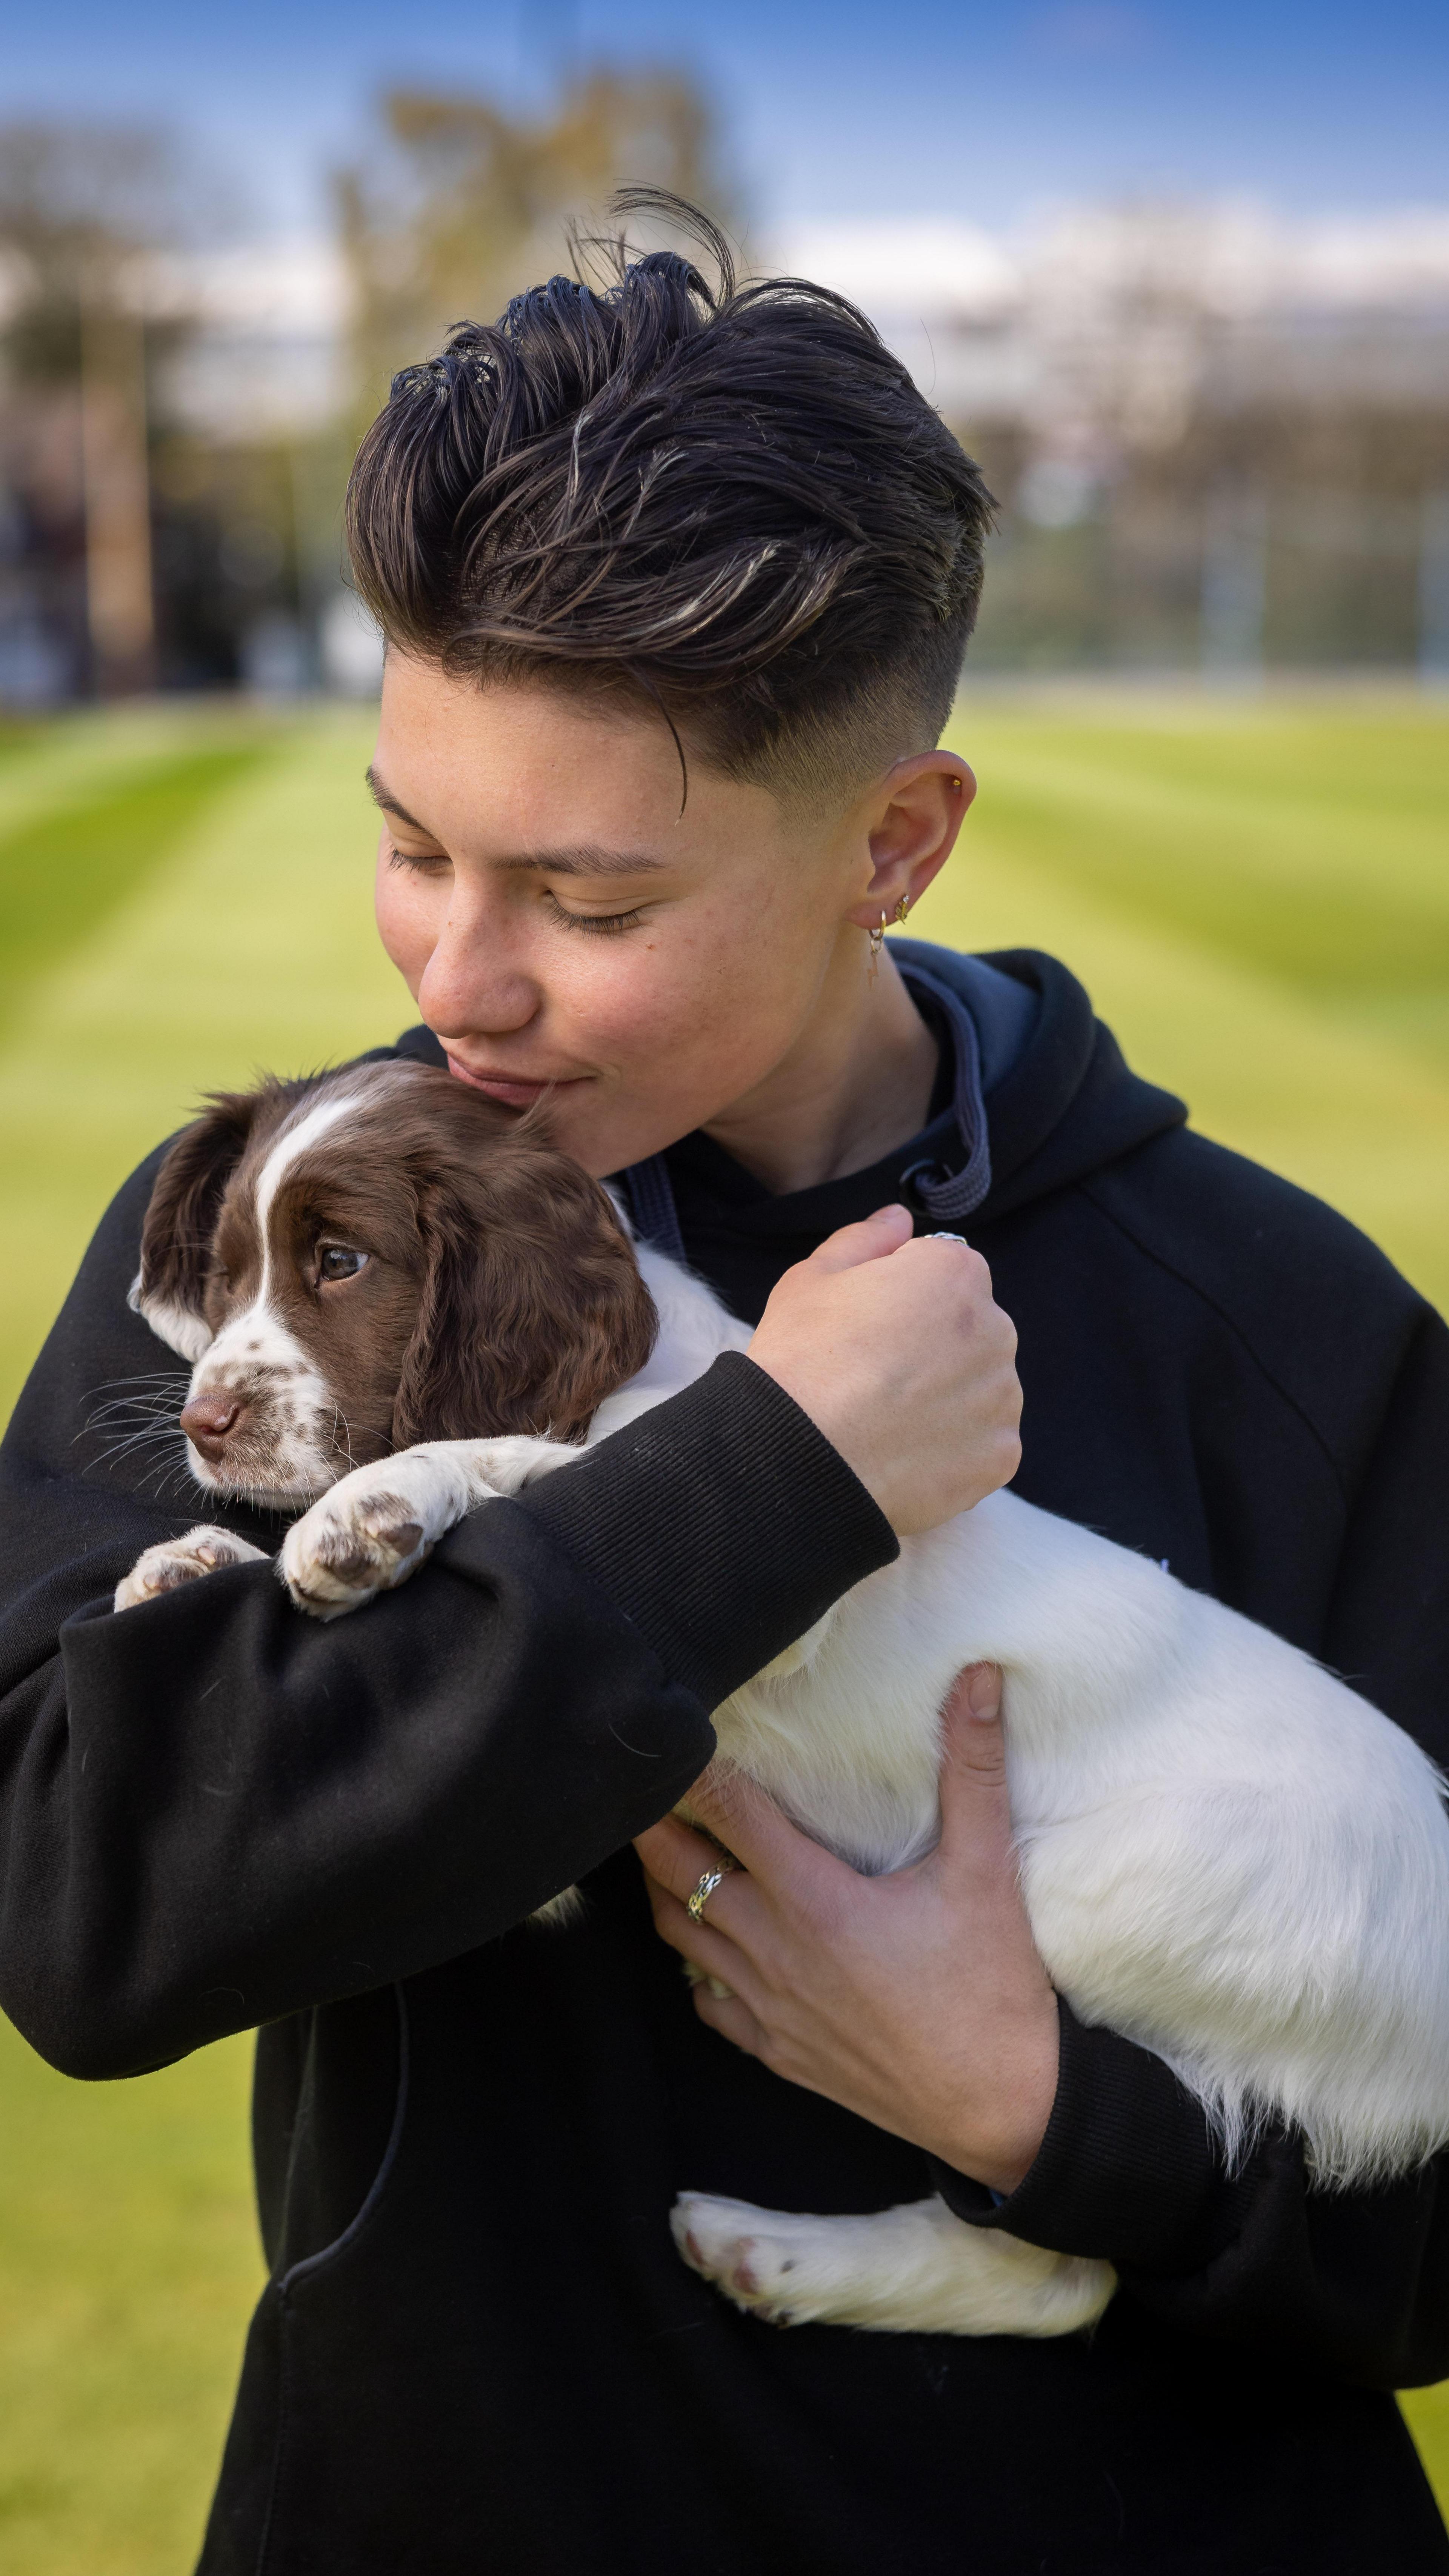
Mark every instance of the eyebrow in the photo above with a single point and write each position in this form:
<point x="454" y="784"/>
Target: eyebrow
<point x="587" y="859"/>
<point x="383" y="797"/>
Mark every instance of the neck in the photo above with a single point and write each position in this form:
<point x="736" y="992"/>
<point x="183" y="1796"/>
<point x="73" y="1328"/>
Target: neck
<point x="857" y="1082"/>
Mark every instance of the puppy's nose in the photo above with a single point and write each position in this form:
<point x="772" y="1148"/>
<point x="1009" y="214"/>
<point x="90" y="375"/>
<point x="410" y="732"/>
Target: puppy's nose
<point x="208" y="1419"/>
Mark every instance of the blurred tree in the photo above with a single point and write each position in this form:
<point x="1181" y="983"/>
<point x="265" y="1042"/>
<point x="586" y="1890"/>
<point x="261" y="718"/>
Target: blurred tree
<point x="81" y="208"/>
<point x="467" y="204"/>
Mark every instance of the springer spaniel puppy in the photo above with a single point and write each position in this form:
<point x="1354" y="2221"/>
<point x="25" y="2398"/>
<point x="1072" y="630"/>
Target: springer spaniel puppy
<point x="399" y="1303"/>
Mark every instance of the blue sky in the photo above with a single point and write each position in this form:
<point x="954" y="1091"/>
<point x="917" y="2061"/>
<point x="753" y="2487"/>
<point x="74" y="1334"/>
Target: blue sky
<point x="902" y="107"/>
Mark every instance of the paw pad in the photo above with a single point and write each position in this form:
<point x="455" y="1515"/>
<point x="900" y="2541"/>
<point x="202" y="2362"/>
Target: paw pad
<point x="343" y="1555"/>
<point x="397" y="1537"/>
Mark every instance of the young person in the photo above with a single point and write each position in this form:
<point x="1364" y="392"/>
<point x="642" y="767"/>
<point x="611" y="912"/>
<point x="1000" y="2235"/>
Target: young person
<point x="676" y="588"/>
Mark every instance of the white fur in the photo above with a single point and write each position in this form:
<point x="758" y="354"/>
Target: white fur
<point x="377" y="1524"/>
<point x="914" y="2270"/>
<point x="187" y="1334"/>
<point x="256" y="1355"/>
<point x="1226" y="1854"/>
<point x="203" y="1550"/>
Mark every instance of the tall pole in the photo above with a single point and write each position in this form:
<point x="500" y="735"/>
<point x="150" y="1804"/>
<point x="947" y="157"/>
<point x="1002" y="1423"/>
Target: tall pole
<point x="120" y="607"/>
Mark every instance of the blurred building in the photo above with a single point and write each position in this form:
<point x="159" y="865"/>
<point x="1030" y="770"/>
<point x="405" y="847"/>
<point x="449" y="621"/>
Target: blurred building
<point x="176" y="424"/>
<point x="1220" y="440"/>
<point x="184" y="476"/>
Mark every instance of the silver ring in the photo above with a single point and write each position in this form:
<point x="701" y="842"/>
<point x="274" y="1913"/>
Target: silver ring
<point x="943" y="1237"/>
<point x="710" y="1879"/>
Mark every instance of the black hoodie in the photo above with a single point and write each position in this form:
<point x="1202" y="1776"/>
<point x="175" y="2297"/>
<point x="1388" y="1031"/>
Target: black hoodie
<point x="478" y="2351"/>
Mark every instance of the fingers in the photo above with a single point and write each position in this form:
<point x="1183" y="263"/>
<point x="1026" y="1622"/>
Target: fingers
<point x="906" y="1364"/>
<point x="733" y="2019"/>
<point x="870" y="1240"/>
<point x="677" y="1858"/>
<point x="702" y="1943"/>
<point x="745" y="1818"/>
<point x="975" y="1804"/>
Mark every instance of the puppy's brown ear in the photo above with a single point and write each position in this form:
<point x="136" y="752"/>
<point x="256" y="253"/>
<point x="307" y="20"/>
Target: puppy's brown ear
<point x="170" y="1287"/>
<point x="533" y="1309"/>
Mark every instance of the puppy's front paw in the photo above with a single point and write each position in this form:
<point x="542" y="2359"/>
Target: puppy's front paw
<point x="349" y="1546"/>
<point x="203" y="1550"/>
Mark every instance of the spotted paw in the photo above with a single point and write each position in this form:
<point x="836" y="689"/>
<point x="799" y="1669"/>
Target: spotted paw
<point x="730" y="2243"/>
<point x="164" y="1568"/>
<point x="350" y="1546"/>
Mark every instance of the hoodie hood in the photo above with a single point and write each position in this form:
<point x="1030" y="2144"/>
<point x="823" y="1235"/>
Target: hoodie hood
<point x="1068" y="1103"/>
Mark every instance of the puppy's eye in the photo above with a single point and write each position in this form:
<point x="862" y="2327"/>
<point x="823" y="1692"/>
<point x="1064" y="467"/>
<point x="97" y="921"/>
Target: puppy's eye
<point x="339" y="1261"/>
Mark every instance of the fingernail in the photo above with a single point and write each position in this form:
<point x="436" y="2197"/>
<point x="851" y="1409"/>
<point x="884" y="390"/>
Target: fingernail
<point x="983" y="1691"/>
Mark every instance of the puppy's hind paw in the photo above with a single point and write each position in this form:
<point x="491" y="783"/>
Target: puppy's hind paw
<point x="204" y="1550"/>
<point x="744" y="2251"/>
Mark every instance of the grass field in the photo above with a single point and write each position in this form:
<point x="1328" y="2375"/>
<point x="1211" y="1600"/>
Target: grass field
<point x="1257" y="896"/>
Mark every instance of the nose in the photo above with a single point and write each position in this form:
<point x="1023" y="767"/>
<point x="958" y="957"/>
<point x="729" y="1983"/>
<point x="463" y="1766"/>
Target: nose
<point x="208" y="1419"/>
<point x="469" y="987"/>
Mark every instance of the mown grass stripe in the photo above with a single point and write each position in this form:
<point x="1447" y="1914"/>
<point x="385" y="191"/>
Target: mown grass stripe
<point x="1275" y="844"/>
<point x="62" y="874"/>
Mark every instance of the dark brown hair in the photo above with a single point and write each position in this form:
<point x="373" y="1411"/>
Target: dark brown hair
<point x="730" y="499"/>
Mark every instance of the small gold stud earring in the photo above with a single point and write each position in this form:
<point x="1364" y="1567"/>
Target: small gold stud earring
<point x="903" y="907"/>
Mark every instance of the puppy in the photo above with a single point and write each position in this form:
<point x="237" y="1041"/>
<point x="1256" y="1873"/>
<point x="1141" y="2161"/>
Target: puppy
<point x="399" y="1303"/>
<point x="362" y="1263"/>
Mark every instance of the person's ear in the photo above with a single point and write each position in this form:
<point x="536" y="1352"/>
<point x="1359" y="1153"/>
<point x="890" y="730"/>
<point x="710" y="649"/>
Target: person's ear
<point x="911" y="823"/>
<point x="532" y="1308"/>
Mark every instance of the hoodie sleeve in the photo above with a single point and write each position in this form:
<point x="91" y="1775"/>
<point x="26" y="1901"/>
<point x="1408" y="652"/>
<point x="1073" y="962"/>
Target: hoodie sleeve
<point x="1355" y="2283"/>
<point x="215" y="1811"/>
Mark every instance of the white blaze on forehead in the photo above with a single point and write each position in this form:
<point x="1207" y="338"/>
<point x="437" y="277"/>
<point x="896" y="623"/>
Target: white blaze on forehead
<point x="257" y="1351"/>
<point x="257" y="1335"/>
<point x="293" y="1141"/>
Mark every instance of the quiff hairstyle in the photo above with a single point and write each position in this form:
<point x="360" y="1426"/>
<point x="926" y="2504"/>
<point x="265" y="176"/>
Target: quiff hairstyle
<point x="728" y="500"/>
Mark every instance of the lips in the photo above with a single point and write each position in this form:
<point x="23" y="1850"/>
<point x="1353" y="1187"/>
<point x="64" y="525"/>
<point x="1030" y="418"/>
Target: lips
<point x="513" y="1092"/>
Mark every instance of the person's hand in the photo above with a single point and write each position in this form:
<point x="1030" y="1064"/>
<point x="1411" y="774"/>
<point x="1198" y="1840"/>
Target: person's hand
<point x="898" y="1353"/>
<point x="917" y="2000"/>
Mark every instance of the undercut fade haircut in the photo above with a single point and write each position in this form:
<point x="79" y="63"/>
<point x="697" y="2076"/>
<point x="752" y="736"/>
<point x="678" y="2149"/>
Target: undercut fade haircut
<point x="727" y="500"/>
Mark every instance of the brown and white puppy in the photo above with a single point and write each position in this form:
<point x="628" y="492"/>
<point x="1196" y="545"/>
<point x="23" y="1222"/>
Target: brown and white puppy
<point x="369" y="1261"/>
<point x="392" y="1293"/>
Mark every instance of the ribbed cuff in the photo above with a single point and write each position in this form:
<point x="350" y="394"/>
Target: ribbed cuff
<point x="722" y="1523"/>
<point x="1128" y="2171"/>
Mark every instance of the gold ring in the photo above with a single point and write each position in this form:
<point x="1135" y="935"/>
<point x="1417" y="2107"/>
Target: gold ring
<point x="709" y="1881"/>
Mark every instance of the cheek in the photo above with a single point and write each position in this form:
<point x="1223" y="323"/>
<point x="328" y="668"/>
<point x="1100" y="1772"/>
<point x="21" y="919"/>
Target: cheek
<point x="410" y="912"/>
<point x="711" y="986"/>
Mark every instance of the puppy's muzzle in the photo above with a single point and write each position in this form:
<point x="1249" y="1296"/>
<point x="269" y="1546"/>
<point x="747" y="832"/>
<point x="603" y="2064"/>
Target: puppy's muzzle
<point x="209" y="1420"/>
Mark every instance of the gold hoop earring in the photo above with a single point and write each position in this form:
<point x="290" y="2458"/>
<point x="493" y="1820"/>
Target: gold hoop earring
<point x="877" y="943"/>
